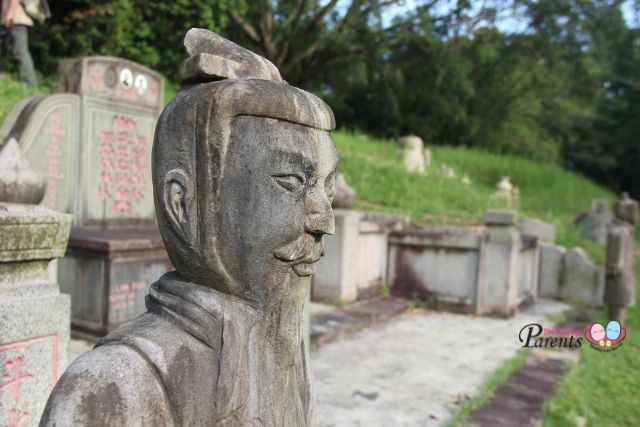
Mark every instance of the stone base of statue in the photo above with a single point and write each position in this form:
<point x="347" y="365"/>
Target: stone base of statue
<point x="34" y="315"/>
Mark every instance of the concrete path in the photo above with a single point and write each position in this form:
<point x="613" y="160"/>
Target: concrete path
<point x="415" y="370"/>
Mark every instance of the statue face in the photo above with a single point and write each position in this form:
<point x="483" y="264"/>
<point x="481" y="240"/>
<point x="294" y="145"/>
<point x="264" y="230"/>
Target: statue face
<point x="274" y="207"/>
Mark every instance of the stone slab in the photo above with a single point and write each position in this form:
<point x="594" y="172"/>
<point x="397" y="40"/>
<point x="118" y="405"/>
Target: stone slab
<point x="551" y="270"/>
<point x="582" y="280"/>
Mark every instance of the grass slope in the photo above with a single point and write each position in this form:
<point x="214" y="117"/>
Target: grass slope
<point x="375" y="169"/>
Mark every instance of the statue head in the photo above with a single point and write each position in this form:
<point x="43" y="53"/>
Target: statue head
<point x="243" y="175"/>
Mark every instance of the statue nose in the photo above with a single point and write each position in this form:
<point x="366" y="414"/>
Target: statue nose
<point x="319" y="219"/>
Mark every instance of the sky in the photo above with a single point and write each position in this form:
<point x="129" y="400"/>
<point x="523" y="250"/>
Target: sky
<point x="506" y="24"/>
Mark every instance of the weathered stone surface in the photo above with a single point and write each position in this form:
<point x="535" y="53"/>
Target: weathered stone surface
<point x="551" y="270"/>
<point x="19" y="182"/>
<point x="545" y="232"/>
<point x="243" y="174"/>
<point x="34" y="316"/>
<point x="500" y="217"/>
<point x="593" y="223"/>
<point x="582" y="280"/>
<point x="345" y="196"/>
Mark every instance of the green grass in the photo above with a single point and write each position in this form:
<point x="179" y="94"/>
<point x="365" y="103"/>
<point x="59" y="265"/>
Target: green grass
<point x="603" y="387"/>
<point x="13" y="90"/>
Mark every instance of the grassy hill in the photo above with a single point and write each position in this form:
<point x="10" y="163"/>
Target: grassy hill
<point x="547" y="191"/>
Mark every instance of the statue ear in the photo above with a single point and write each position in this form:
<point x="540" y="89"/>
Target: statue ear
<point x="178" y="197"/>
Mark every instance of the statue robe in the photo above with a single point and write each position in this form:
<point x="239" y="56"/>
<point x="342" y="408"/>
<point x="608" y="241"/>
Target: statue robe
<point x="196" y="358"/>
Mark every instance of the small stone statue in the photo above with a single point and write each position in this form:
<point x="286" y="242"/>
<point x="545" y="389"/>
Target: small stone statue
<point x="19" y="182"/>
<point x="620" y="285"/>
<point x="243" y="176"/>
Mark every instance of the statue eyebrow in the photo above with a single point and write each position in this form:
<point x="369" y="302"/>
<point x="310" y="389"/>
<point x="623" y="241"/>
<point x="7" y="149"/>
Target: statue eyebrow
<point x="299" y="157"/>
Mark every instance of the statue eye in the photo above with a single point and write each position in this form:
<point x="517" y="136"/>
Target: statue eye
<point x="292" y="183"/>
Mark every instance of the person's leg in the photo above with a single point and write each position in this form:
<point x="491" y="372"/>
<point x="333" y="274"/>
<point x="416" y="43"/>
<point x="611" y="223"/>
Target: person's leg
<point x="22" y="55"/>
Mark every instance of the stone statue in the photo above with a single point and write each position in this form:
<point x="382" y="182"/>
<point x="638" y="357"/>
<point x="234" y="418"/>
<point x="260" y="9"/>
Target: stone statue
<point x="243" y="176"/>
<point x="620" y="284"/>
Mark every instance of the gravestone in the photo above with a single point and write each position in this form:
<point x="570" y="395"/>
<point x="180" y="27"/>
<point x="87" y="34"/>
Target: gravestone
<point x="243" y="176"/>
<point x="551" y="270"/>
<point x="34" y="315"/>
<point x="582" y="280"/>
<point x="93" y="146"/>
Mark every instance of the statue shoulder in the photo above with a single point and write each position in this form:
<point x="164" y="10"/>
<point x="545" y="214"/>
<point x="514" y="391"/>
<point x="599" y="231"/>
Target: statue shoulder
<point x="110" y="385"/>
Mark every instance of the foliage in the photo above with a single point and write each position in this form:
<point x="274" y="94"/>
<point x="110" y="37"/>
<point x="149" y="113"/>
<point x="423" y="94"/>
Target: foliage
<point x="149" y="32"/>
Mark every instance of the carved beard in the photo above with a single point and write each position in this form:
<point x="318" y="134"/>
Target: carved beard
<point x="302" y="254"/>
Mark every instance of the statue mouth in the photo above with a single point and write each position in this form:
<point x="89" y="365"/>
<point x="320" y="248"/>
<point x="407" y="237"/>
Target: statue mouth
<point x="302" y="254"/>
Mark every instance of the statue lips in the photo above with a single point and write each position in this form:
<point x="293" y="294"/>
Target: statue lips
<point x="302" y="254"/>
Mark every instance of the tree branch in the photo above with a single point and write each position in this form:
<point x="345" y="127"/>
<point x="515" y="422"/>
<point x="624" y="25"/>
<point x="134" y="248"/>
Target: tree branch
<point x="248" y="28"/>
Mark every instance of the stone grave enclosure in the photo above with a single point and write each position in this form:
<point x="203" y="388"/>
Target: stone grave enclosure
<point x="490" y="269"/>
<point x="92" y="143"/>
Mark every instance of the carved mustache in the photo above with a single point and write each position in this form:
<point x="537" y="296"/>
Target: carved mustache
<point x="303" y="249"/>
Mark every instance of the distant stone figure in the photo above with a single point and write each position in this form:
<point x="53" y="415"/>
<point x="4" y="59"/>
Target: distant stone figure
<point x="415" y="157"/>
<point x="620" y="284"/>
<point x="19" y="182"/>
<point x="243" y="176"/>
<point x="345" y="197"/>
<point x="506" y="191"/>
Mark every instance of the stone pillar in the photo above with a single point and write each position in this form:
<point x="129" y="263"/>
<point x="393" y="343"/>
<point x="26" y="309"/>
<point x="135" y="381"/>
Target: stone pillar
<point x="498" y="275"/>
<point x="34" y="315"/>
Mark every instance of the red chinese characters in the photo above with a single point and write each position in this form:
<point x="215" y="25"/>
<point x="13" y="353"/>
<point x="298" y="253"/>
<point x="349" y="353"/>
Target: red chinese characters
<point x="122" y="163"/>
<point x="17" y="380"/>
<point x="11" y="382"/>
<point x="55" y="132"/>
